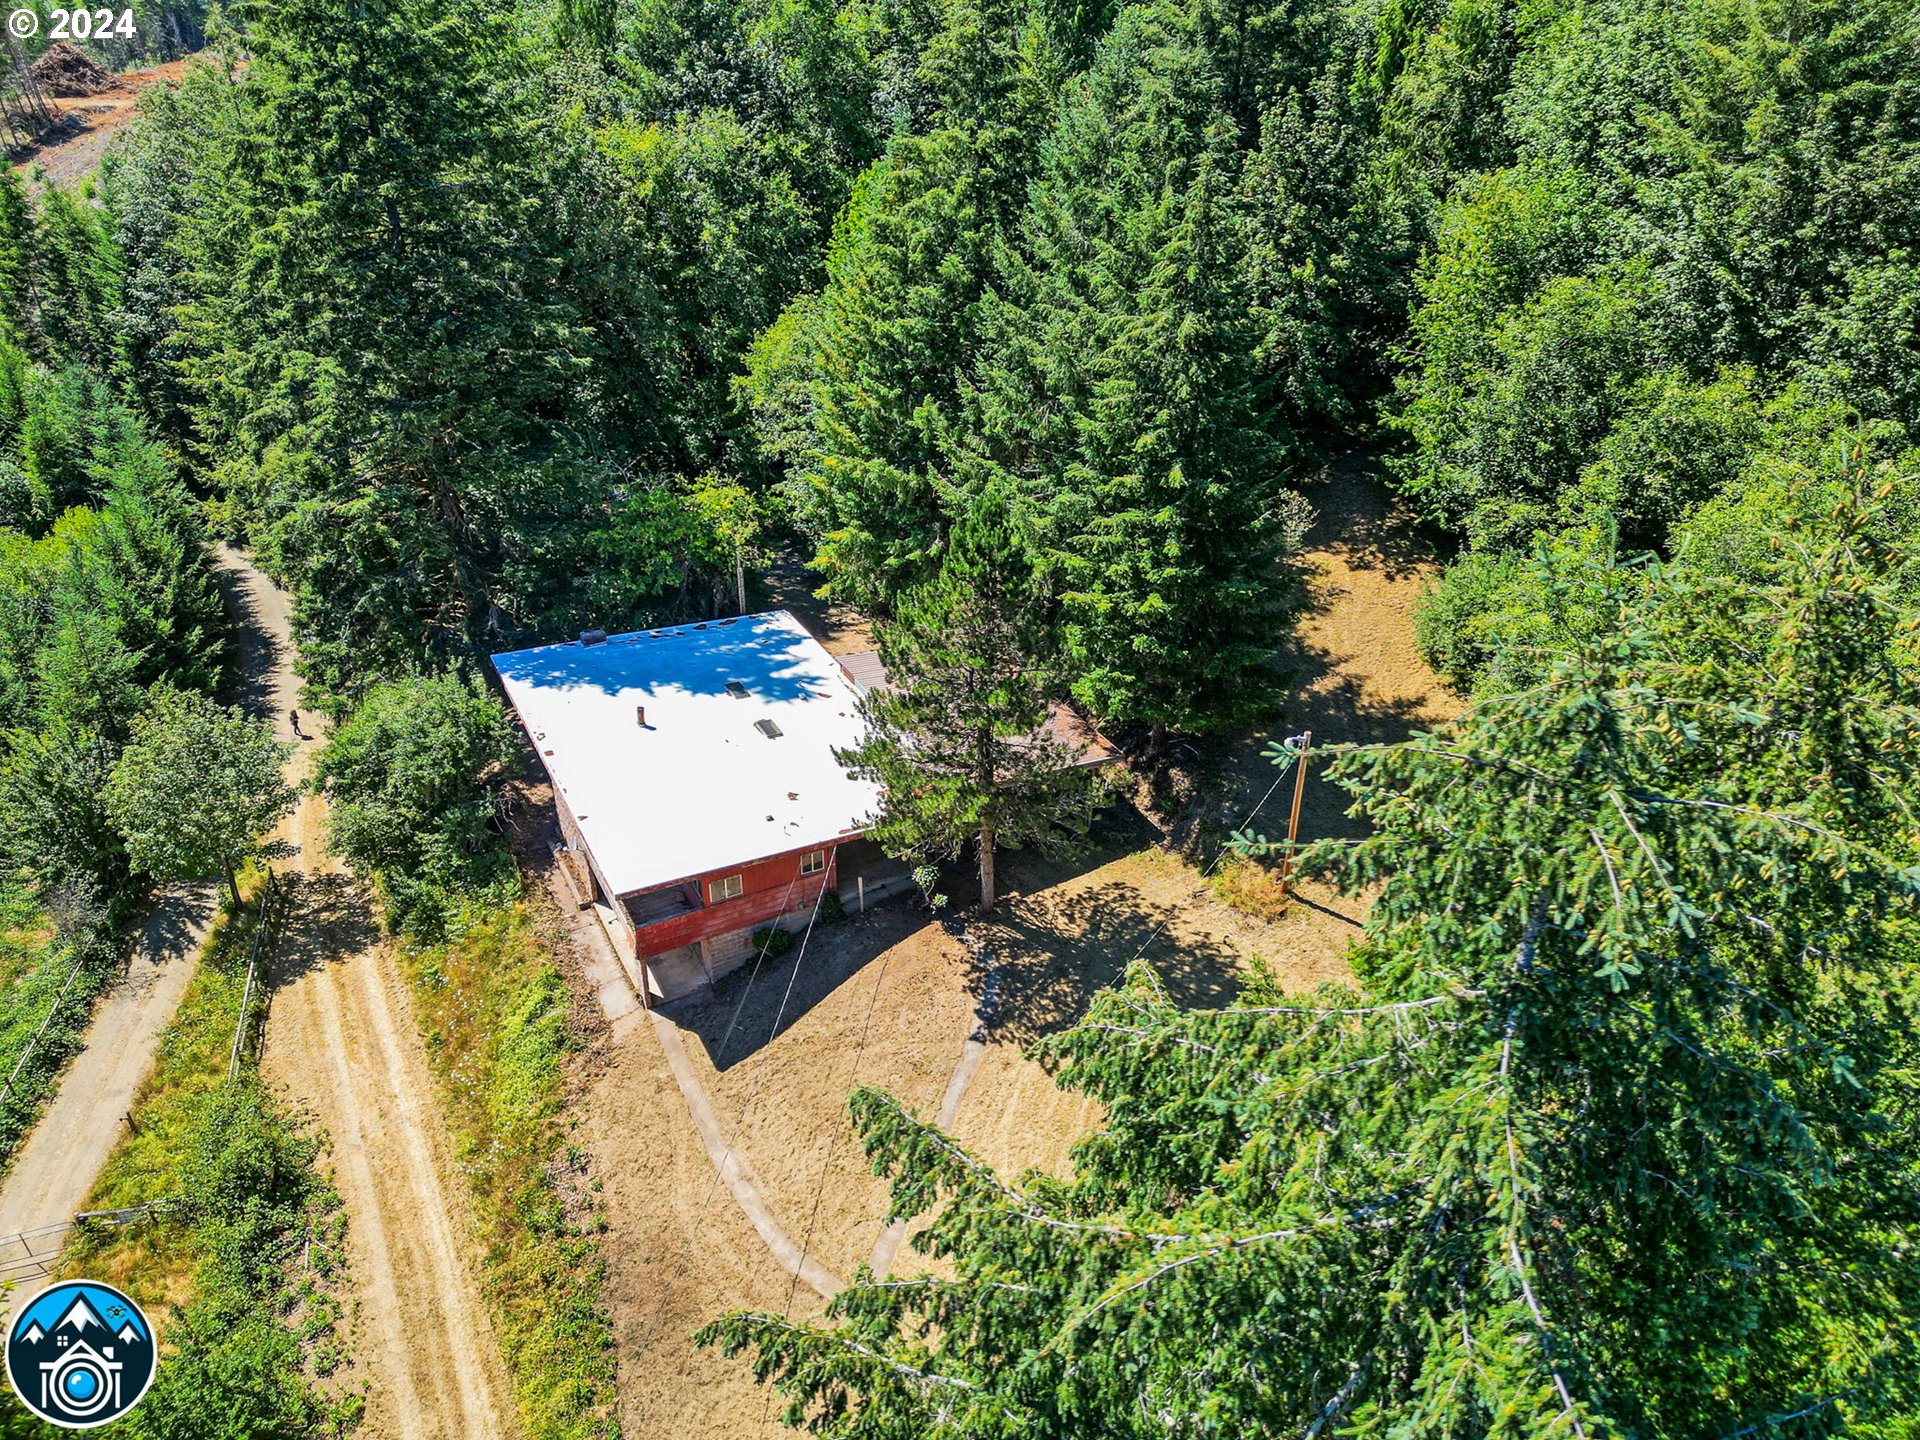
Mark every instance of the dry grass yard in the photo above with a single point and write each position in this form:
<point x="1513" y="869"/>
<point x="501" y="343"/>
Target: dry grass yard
<point x="890" y="999"/>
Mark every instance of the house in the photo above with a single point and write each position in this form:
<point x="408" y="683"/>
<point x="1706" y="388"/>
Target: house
<point x="694" y="775"/>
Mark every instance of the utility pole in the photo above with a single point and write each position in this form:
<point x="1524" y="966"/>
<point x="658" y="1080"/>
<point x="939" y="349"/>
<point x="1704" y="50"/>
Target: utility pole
<point x="1305" y="741"/>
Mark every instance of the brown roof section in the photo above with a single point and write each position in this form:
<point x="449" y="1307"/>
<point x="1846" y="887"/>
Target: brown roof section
<point x="864" y="669"/>
<point x="1064" y="724"/>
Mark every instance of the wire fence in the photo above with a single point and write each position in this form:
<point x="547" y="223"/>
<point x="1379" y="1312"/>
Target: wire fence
<point x="6" y="1090"/>
<point x="34" y="1254"/>
<point x="252" y="995"/>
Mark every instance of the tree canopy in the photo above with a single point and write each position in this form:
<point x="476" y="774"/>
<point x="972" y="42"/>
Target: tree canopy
<point x="1610" y="1135"/>
<point x="1029" y="329"/>
<point x="197" y="788"/>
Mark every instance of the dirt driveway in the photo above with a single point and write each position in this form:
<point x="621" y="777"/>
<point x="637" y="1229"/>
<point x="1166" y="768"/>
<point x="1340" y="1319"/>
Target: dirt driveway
<point x="342" y="1044"/>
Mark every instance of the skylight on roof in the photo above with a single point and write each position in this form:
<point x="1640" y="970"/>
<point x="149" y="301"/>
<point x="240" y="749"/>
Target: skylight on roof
<point x="737" y="690"/>
<point x="767" y="728"/>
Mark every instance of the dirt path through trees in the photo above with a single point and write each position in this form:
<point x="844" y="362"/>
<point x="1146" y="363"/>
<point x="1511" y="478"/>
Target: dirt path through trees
<point x="342" y="1044"/>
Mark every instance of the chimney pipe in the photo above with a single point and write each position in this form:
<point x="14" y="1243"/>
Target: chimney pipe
<point x="640" y="716"/>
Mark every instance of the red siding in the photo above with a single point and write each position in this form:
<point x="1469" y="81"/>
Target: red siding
<point x="770" y="888"/>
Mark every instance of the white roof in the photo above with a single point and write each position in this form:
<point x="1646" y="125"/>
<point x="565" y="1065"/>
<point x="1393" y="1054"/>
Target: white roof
<point x="700" y="788"/>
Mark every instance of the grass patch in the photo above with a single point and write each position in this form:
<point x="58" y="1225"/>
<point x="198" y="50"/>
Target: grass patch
<point x="494" y="1011"/>
<point x="44" y="980"/>
<point x="154" y="1262"/>
<point x="239" y="1269"/>
<point x="1249" y="887"/>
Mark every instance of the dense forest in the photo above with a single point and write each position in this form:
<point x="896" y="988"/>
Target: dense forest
<point x="1029" y="324"/>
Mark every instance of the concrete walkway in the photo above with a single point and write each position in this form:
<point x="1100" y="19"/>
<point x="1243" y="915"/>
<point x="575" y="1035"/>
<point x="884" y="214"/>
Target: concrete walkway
<point x="887" y="1248"/>
<point x="732" y="1165"/>
<point x="624" y="1015"/>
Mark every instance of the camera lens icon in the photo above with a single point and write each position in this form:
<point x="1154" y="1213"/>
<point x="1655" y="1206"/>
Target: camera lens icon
<point x="80" y="1354"/>
<point x="81" y="1383"/>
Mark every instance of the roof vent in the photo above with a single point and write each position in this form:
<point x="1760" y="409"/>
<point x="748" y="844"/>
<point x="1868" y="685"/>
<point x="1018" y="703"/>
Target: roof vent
<point x="593" y="637"/>
<point x="640" y="716"/>
<point x="736" y="690"/>
<point x="767" y="728"/>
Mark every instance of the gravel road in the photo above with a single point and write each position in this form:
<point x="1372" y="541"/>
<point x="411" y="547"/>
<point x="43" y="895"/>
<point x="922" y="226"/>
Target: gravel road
<point x="342" y="1044"/>
<point x="55" y="1168"/>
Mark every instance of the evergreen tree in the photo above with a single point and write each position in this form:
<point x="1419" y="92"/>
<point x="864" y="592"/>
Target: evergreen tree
<point x="1613" y="1137"/>
<point x="77" y="281"/>
<point x="958" y="738"/>
<point x="18" y="304"/>
<point x="865" y="381"/>
<point x="381" y="377"/>
<point x="1121" y="381"/>
<point x="54" y="823"/>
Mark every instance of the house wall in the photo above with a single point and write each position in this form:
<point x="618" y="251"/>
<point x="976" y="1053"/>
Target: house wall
<point x="577" y="842"/>
<point x="771" y="889"/>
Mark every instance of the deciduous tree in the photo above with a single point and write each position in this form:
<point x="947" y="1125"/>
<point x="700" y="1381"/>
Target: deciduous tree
<point x="197" y="788"/>
<point x="406" y="777"/>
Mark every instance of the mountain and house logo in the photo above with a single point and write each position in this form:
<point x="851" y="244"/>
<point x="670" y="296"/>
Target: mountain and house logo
<point x="80" y="1354"/>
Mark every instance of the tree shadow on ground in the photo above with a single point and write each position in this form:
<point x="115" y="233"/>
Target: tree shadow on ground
<point x="326" y="919"/>
<point x="789" y="584"/>
<point x="1118" y="829"/>
<point x="256" y="650"/>
<point x="755" y="1005"/>
<point x="1032" y="966"/>
<point x="181" y="914"/>
<point x="1358" y="517"/>
<point x="1353" y="676"/>
<point x="1259" y="792"/>
<point x="1037" y="965"/>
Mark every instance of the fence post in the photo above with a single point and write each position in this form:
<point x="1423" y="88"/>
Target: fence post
<point x="269" y="895"/>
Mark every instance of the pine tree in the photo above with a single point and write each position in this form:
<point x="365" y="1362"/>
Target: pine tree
<point x="383" y="374"/>
<point x="1121" y="380"/>
<point x="958" y="739"/>
<point x="1613" y="1136"/>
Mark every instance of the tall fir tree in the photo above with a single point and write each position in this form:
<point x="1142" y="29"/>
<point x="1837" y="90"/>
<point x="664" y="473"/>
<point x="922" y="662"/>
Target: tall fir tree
<point x="1120" y="380"/>
<point x="385" y="373"/>
<point x="959" y="739"/>
<point x="864" y="379"/>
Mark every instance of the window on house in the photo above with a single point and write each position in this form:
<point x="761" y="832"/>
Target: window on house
<point x="813" y="862"/>
<point x="727" y="889"/>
